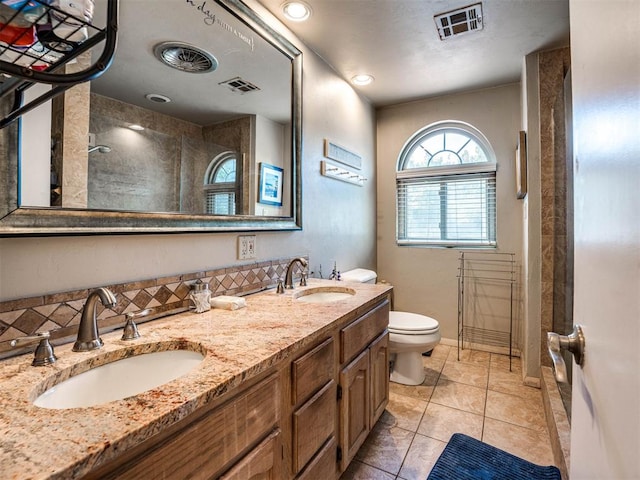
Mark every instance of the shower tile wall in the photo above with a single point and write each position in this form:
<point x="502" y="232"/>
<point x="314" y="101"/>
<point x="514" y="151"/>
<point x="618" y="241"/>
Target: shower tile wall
<point x="60" y="312"/>
<point x="553" y="66"/>
<point x="142" y="170"/>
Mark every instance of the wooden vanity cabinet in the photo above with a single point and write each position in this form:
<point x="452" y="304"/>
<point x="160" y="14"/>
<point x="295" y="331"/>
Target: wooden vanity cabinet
<point x="205" y="446"/>
<point x="314" y="409"/>
<point x="304" y="419"/>
<point x="339" y="389"/>
<point x="364" y="379"/>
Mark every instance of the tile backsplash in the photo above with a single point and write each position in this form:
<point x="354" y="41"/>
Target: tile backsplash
<point x="60" y="312"/>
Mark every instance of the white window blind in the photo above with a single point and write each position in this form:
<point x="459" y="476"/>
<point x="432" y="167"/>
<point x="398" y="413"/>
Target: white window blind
<point x="220" y="202"/>
<point x="447" y="209"/>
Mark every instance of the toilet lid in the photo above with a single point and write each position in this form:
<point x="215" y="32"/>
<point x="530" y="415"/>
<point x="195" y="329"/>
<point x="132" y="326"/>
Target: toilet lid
<point x="411" y="323"/>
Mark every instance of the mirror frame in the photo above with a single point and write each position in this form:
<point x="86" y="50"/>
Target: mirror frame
<point x="40" y="221"/>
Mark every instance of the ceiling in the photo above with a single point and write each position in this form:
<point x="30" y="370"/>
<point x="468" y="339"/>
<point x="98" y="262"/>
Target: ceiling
<point x="397" y="42"/>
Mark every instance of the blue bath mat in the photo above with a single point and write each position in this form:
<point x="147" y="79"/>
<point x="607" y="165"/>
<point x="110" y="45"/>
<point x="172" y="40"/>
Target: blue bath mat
<point x="465" y="458"/>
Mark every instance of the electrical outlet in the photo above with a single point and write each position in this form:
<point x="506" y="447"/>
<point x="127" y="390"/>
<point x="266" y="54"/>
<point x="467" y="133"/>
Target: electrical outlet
<point x="246" y="247"/>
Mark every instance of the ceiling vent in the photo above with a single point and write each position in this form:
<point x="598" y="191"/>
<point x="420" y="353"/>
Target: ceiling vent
<point x="239" y="85"/>
<point x="459" y="21"/>
<point x="185" y="57"/>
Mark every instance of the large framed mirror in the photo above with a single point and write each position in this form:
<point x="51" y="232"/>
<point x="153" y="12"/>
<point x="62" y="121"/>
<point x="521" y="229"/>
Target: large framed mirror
<point x="173" y="137"/>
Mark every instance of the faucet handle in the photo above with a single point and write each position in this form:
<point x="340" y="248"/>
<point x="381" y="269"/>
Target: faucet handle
<point x="43" y="354"/>
<point x="130" y="331"/>
<point x="303" y="278"/>
<point x="280" y="287"/>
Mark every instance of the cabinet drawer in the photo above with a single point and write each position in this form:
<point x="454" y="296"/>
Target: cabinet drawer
<point x="312" y="371"/>
<point x="261" y="463"/>
<point x="324" y="465"/>
<point x="205" y="446"/>
<point x="313" y="424"/>
<point x="356" y="336"/>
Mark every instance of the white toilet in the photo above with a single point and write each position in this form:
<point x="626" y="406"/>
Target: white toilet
<point x="410" y="335"/>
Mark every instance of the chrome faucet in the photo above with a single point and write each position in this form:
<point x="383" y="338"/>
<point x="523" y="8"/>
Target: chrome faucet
<point x="288" y="281"/>
<point x="88" y="338"/>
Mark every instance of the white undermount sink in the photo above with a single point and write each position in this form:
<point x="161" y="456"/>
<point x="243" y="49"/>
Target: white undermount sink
<point x="120" y="379"/>
<point x="324" y="294"/>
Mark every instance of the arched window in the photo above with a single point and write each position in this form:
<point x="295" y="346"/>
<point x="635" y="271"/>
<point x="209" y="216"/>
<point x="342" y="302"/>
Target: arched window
<point x="446" y="188"/>
<point x="220" y="185"/>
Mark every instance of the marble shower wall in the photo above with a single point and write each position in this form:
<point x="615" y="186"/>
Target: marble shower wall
<point x="553" y="67"/>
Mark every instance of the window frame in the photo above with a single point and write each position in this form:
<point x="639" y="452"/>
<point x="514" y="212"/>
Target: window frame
<point x="486" y="171"/>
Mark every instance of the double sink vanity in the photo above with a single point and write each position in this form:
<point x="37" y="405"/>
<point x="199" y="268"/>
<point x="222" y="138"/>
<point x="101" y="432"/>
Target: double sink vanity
<point x="288" y="387"/>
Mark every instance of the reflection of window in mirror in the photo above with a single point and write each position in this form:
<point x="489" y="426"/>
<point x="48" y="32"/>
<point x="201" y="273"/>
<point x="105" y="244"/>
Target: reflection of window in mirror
<point x="220" y="185"/>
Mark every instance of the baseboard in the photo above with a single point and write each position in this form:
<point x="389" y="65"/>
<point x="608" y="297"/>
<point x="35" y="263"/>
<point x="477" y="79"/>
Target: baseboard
<point x="483" y="348"/>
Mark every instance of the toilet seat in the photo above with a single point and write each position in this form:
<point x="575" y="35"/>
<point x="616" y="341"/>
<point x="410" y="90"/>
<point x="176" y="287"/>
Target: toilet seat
<point x="406" y="323"/>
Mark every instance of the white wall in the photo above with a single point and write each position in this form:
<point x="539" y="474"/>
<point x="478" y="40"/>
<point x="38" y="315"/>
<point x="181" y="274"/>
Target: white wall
<point x="338" y="218"/>
<point x="532" y="224"/>
<point x="424" y="279"/>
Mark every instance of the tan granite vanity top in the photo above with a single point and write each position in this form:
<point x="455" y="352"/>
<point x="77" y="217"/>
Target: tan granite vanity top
<point x="37" y="443"/>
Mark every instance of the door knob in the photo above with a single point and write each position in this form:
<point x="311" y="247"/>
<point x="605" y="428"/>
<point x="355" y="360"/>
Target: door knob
<point x="574" y="343"/>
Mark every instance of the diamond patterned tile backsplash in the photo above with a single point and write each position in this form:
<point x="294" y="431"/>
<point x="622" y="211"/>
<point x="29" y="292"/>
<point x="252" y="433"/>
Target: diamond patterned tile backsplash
<point x="60" y="312"/>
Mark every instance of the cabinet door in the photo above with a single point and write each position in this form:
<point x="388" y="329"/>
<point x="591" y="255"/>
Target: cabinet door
<point x="379" y="355"/>
<point x="261" y="463"/>
<point x="354" y="407"/>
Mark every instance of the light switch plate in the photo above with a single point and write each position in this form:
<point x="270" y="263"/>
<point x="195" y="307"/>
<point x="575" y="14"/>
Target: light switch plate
<point x="246" y="247"/>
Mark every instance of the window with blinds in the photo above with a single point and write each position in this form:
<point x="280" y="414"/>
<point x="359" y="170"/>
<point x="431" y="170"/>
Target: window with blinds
<point x="220" y="186"/>
<point x="446" y="189"/>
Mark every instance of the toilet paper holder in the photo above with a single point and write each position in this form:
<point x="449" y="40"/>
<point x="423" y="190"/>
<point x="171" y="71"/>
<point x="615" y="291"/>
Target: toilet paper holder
<point x="574" y="343"/>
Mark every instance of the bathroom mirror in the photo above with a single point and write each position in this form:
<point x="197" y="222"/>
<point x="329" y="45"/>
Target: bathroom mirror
<point x="225" y="101"/>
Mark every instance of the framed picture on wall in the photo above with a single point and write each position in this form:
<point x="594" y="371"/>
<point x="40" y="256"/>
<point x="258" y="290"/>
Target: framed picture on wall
<point x="521" y="166"/>
<point x="270" y="190"/>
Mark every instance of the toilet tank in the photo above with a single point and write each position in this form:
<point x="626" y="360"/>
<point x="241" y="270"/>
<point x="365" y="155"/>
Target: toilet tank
<point x="361" y="275"/>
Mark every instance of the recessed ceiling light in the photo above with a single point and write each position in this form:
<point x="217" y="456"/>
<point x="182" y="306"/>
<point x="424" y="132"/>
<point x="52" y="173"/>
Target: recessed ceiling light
<point x="157" y="98"/>
<point x="296" y="11"/>
<point x="136" y="127"/>
<point x="362" y="79"/>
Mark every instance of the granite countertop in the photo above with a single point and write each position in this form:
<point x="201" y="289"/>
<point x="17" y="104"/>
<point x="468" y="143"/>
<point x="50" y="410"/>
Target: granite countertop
<point x="37" y="443"/>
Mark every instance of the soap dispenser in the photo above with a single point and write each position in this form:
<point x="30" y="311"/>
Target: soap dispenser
<point x="200" y="295"/>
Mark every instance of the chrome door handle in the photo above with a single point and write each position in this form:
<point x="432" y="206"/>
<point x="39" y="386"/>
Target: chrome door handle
<point x="574" y="342"/>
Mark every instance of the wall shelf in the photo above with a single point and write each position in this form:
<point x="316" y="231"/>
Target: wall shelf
<point x="22" y="66"/>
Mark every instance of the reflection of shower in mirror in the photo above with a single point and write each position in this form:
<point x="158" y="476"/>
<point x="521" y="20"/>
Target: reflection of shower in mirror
<point x="100" y="148"/>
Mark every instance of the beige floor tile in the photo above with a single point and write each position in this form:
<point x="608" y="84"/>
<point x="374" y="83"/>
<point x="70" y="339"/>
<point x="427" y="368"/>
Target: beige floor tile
<point x="441" y="422"/>
<point x="460" y="396"/>
<point x="421" y="458"/>
<point x="511" y="383"/>
<point x="421" y="392"/>
<point x="403" y="412"/>
<point x="475" y="357"/>
<point x="467" y="373"/>
<point x="433" y="366"/>
<point x="502" y="362"/>
<point x="532" y="445"/>
<point x="440" y="352"/>
<point x="385" y="448"/>
<point x="361" y="471"/>
<point x="519" y="411"/>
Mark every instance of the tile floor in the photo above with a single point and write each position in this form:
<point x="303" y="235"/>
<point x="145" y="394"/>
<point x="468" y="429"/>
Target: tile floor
<point x="477" y="396"/>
